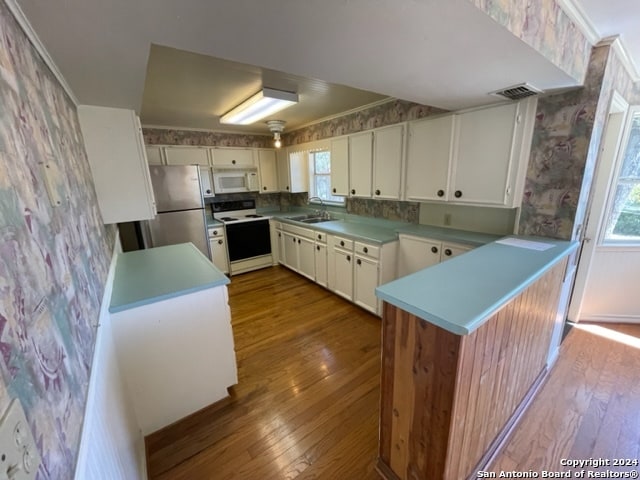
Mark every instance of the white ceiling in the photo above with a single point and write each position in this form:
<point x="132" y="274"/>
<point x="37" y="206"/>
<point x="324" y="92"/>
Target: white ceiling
<point x="445" y="53"/>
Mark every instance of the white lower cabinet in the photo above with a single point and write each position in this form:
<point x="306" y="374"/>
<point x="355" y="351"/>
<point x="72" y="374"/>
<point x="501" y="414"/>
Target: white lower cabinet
<point x="218" y="247"/>
<point x="290" y="250"/>
<point x="306" y="258"/>
<point x="275" y="233"/>
<point x="299" y="250"/>
<point x="343" y="284"/>
<point x="365" y="281"/>
<point x="417" y="253"/>
<point x="321" y="258"/>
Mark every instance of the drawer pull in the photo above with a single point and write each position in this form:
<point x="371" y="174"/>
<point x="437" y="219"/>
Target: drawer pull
<point x="341" y="243"/>
<point x="359" y="262"/>
<point x="448" y="252"/>
<point x="365" y="250"/>
<point x="219" y="242"/>
<point x="318" y="247"/>
<point x="458" y="194"/>
<point x="348" y="258"/>
<point x="434" y="249"/>
<point x="441" y="193"/>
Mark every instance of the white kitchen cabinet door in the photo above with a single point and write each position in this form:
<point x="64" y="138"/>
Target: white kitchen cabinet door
<point x="268" y="171"/>
<point x="118" y="161"/>
<point x="219" y="253"/>
<point x="482" y="160"/>
<point x="298" y="172"/>
<point x="275" y="231"/>
<point x="282" y="161"/>
<point x="340" y="166"/>
<point x="429" y="149"/>
<point x="321" y="260"/>
<point x="306" y="258"/>
<point x="206" y="181"/>
<point x="291" y="251"/>
<point x="416" y="253"/>
<point x="387" y="162"/>
<point x="343" y="273"/>
<point x="360" y="164"/>
<point x="155" y="154"/>
<point x="183" y="155"/>
<point x="365" y="281"/>
<point x="230" y="157"/>
<point x="281" y="250"/>
<point x="450" y="250"/>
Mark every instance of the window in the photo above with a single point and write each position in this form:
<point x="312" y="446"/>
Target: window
<point x="320" y="181"/>
<point x="624" y="210"/>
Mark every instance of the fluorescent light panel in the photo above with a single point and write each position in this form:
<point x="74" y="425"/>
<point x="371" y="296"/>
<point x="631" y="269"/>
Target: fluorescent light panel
<point x="264" y="103"/>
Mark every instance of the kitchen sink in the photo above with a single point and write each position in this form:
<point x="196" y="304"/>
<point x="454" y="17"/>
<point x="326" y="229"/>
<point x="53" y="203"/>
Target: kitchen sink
<point x="309" y="219"/>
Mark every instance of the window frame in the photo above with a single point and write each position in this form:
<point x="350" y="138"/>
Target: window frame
<point x="312" y="180"/>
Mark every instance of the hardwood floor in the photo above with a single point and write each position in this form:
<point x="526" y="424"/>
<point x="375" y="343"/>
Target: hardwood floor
<point x="306" y="405"/>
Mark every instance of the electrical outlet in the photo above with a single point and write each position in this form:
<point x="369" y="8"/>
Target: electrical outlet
<point x="19" y="457"/>
<point x="447" y="219"/>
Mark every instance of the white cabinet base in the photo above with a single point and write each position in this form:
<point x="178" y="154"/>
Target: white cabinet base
<point x="177" y="355"/>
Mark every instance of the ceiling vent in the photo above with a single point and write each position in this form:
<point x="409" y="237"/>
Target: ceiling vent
<point x="516" y="92"/>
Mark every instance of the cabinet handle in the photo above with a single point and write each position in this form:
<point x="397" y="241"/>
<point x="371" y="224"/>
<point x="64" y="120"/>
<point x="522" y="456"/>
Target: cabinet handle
<point x="359" y="262"/>
<point x="215" y="232"/>
<point x="348" y="258"/>
<point x="319" y="237"/>
<point x="447" y="252"/>
<point x="294" y="240"/>
<point x="457" y="194"/>
<point x="219" y="242"/>
<point x="208" y="191"/>
<point x="279" y="234"/>
<point x="318" y="247"/>
<point x="341" y="243"/>
<point x="287" y="187"/>
<point x="440" y="193"/>
<point x="298" y="240"/>
<point x="365" y="250"/>
<point x="264" y="188"/>
<point x="334" y="190"/>
<point x="233" y="161"/>
<point x="434" y="249"/>
<point x="377" y="192"/>
<point x="353" y="192"/>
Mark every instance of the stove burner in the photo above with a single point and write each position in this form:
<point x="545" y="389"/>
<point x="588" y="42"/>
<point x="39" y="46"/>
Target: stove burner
<point x="228" y="219"/>
<point x="254" y="215"/>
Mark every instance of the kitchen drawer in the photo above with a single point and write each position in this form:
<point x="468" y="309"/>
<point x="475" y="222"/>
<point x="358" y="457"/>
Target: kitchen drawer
<point x="215" y="231"/>
<point x="367" y="250"/>
<point x="299" y="231"/>
<point x="320" y="237"/>
<point x="344" y="243"/>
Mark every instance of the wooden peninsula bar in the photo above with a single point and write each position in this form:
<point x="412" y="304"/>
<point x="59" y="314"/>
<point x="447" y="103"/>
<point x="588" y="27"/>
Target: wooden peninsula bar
<point x="464" y="349"/>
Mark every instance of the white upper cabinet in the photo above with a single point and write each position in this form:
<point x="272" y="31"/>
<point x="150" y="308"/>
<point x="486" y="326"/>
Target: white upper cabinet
<point x="155" y="154"/>
<point x="117" y="157"/>
<point x="340" y="166"/>
<point x="232" y="157"/>
<point x="429" y="148"/>
<point x="293" y="171"/>
<point x="387" y="162"/>
<point x="477" y="157"/>
<point x="360" y="164"/>
<point x="484" y="145"/>
<point x="268" y="171"/>
<point x="187" y="155"/>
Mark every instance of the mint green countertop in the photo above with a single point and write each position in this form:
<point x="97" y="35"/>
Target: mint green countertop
<point x="147" y="276"/>
<point x="460" y="294"/>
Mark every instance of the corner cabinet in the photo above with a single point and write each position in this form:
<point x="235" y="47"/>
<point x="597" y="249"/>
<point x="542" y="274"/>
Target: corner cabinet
<point x="417" y="253"/>
<point x="476" y="157"/>
<point x="117" y="157"/>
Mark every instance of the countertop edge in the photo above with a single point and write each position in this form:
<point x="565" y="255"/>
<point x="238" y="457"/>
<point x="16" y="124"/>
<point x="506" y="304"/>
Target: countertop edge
<point x="479" y="319"/>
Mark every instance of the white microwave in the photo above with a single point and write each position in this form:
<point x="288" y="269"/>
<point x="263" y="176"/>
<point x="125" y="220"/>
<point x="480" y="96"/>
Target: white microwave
<point x="234" y="181"/>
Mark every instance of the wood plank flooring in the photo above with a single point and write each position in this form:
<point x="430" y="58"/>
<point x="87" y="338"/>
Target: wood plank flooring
<point x="306" y="405"/>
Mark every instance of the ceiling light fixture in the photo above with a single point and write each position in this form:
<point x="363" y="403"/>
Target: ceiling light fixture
<point x="264" y="103"/>
<point x="276" y="126"/>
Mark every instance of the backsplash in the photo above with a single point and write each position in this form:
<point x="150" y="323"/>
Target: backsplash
<point x="387" y="209"/>
<point x="394" y="111"/>
<point x="54" y="260"/>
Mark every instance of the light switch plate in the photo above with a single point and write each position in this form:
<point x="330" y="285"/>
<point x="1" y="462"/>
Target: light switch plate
<point x="19" y="457"/>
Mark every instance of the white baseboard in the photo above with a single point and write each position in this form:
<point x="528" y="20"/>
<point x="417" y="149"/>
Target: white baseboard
<point x="612" y="318"/>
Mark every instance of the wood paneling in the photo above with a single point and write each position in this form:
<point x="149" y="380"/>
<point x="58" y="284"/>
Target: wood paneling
<point x="447" y="398"/>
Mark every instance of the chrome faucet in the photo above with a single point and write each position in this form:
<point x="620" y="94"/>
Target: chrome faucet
<point x="321" y="213"/>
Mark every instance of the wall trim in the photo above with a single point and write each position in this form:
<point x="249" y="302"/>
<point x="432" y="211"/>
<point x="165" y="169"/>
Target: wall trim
<point x="610" y="318"/>
<point x="578" y="16"/>
<point x="345" y="113"/>
<point x="31" y="34"/>
<point x="205" y="130"/>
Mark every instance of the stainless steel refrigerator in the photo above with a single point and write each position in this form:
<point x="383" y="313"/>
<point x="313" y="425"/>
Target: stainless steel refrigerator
<point x="181" y="213"/>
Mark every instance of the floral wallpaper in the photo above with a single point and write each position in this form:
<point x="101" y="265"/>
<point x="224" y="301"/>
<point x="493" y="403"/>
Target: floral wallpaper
<point x="394" y="111"/>
<point x="565" y="148"/>
<point x="160" y="136"/>
<point x="387" y="209"/>
<point x="53" y="260"/>
<point x="543" y="25"/>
